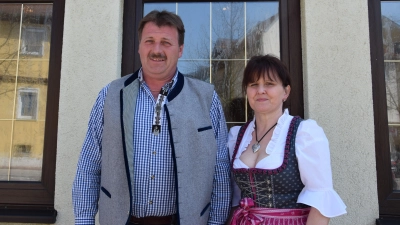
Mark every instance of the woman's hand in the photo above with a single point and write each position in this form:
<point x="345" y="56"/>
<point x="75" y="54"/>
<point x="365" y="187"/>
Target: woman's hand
<point x="316" y="218"/>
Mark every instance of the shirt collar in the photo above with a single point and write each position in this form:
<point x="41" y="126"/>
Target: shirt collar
<point x="140" y="76"/>
<point x="281" y="119"/>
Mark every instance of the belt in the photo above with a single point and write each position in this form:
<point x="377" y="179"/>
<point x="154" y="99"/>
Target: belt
<point x="153" y="220"/>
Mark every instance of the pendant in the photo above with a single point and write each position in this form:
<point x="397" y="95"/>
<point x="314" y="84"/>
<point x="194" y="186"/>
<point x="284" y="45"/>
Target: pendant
<point x="156" y="129"/>
<point x="255" y="147"/>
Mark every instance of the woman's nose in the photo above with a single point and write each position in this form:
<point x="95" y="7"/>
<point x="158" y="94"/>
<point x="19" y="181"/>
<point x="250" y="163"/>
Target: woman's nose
<point x="261" y="89"/>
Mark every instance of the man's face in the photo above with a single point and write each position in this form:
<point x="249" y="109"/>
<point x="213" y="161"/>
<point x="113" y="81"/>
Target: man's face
<point x="159" y="51"/>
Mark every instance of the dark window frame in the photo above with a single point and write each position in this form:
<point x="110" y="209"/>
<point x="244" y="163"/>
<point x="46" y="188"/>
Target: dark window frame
<point x="33" y="202"/>
<point x="389" y="199"/>
<point x="291" y="54"/>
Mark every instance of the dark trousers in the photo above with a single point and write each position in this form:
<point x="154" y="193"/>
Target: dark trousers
<point x="153" y="220"/>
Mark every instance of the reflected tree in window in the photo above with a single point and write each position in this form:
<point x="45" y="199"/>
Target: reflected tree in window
<point x="235" y="37"/>
<point x="24" y="65"/>
<point x="391" y="46"/>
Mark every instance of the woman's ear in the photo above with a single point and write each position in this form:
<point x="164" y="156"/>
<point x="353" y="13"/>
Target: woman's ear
<point x="287" y="91"/>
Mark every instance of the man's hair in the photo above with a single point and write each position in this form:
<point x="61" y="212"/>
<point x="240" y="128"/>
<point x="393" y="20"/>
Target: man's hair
<point x="164" y="18"/>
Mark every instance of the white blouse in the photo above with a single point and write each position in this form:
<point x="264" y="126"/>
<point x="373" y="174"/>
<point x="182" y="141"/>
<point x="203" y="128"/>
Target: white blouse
<point x="312" y="152"/>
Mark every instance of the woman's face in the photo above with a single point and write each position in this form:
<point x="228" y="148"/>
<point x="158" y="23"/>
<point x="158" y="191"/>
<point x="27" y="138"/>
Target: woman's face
<point x="266" y="95"/>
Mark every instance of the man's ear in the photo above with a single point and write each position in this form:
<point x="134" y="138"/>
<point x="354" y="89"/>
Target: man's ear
<point x="181" y="50"/>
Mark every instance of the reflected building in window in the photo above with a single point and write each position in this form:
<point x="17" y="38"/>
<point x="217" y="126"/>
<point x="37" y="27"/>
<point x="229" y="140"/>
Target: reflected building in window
<point x="229" y="57"/>
<point x="391" y="46"/>
<point x="24" y="66"/>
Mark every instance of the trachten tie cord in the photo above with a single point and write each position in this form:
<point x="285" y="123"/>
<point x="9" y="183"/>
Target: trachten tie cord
<point x="159" y="108"/>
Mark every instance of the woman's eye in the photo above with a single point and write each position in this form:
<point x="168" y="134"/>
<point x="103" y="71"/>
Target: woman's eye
<point x="269" y="83"/>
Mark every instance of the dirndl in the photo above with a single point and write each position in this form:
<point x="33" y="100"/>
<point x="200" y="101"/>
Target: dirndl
<point x="247" y="214"/>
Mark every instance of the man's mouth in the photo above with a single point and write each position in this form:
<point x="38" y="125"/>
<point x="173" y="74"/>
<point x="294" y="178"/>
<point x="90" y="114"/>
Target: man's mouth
<point x="158" y="58"/>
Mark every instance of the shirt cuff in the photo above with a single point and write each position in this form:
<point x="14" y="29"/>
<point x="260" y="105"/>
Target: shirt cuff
<point x="84" y="221"/>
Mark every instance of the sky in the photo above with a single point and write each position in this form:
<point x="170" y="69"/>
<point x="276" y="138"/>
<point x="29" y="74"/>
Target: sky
<point x="391" y="10"/>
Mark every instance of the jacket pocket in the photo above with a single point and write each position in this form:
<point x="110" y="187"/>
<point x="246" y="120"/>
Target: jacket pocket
<point x="205" y="209"/>
<point x="105" y="192"/>
<point x="204" y="128"/>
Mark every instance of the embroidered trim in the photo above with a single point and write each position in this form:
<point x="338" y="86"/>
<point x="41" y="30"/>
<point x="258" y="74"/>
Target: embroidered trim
<point x="239" y="138"/>
<point x="291" y="135"/>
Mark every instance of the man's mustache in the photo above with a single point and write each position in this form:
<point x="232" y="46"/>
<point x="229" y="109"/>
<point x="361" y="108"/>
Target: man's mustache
<point x="158" y="56"/>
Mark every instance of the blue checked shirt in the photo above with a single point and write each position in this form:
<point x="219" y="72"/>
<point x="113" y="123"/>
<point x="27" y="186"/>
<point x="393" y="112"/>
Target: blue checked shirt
<point x="154" y="194"/>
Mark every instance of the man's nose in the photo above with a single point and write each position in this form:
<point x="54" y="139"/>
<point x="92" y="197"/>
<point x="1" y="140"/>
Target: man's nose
<point x="157" y="47"/>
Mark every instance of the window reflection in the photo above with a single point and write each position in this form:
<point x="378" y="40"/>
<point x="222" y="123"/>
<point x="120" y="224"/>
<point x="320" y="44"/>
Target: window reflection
<point x="219" y="40"/>
<point x="391" y="48"/>
<point x="24" y="62"/>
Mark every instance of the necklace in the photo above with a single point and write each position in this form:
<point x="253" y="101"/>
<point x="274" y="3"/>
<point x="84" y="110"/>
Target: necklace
<point x="256" y="146"/>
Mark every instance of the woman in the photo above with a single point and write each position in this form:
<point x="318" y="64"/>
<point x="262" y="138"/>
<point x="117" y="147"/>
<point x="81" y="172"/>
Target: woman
<point x="280" y="163"/>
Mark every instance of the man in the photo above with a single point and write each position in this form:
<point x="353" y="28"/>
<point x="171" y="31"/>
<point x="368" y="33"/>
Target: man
<point x="155" y="150"/>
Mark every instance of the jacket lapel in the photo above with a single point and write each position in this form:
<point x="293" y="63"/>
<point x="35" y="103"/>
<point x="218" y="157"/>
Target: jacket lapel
<point x="128" y="99"/>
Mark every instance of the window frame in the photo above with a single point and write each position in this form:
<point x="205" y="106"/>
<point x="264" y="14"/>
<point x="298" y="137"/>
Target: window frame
<point x="20" y="104"/>
<point x="25" y="43"/>
<point x="388" y="199"/>
<point x="33" y="202"/>
<point x="290" y="41"/>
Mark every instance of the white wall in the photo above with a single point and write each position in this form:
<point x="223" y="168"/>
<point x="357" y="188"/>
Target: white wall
<point x="91" y="58"/>
<point x="338" y="94"/>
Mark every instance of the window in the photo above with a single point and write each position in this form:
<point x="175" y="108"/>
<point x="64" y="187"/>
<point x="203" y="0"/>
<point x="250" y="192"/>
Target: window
<point x="33" y="41"/>
<point x="30" y="62"/>
<point x="220" y="38"/>
<point x="27" y="104"/>
<point x="385" y="67"/>
<point x="23" y="150"/>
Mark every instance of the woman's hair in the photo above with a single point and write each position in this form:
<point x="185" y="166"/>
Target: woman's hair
<point x="266" y="65"/>
<point x="164" y="18"/>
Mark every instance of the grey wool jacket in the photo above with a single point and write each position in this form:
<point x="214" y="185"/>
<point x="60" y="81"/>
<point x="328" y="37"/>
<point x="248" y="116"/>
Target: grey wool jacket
<point x="189" y="124"/>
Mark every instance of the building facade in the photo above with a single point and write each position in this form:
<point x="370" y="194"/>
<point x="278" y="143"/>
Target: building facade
<point x="343" y="56"/>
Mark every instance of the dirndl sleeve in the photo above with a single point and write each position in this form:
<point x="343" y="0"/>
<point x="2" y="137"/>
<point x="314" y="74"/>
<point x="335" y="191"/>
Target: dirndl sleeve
<point x="312" y="151"/>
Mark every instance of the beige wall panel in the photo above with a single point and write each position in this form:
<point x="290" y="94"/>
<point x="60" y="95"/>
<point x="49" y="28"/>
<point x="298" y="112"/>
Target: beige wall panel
<point x="5" y="143"/>
<point x="7" y="97"/>
<point x="8" y="67"/>
<point x="9" y="40"/>
<point x="37" y="68"/>
<point x="91" y="58"/>
<point x="338" y="94"/>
